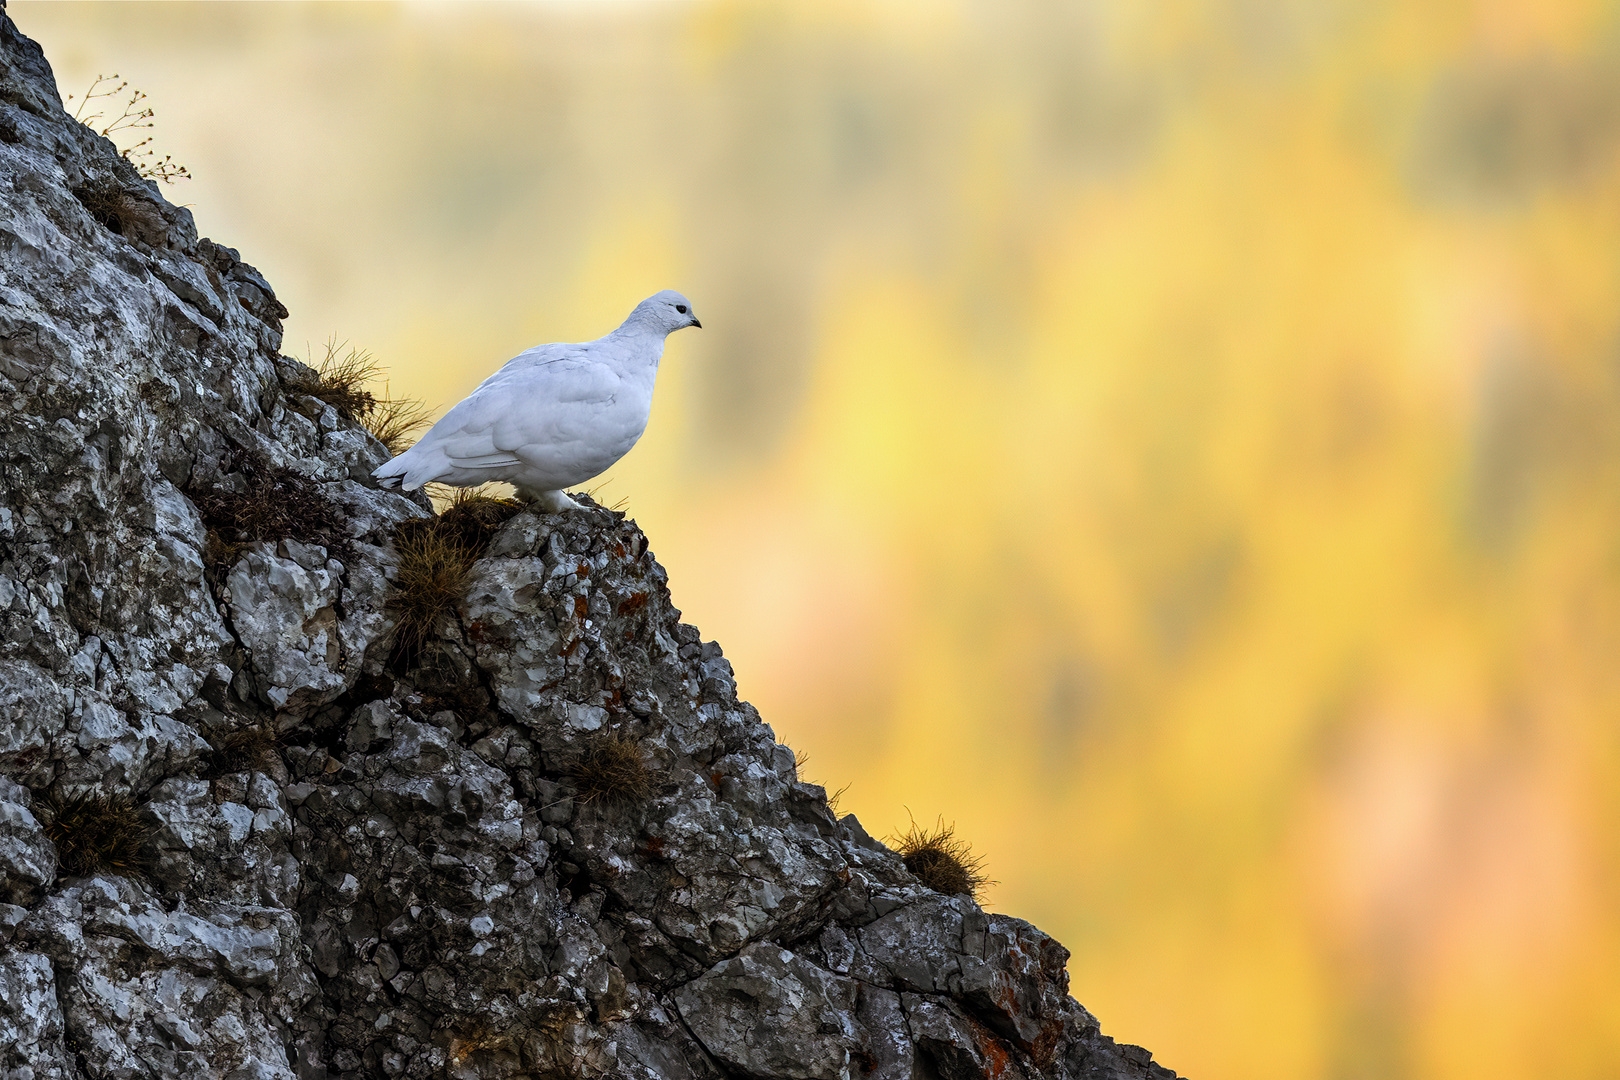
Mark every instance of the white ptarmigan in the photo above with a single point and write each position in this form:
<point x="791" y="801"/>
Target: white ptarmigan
<point x="553" y="416"/>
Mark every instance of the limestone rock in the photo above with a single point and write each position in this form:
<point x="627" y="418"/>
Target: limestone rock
<point x="31" y="1025"/>
<point x="27" y="857"/>
<point x="284" y="600"/>
<point x="351" y="860"/>
<point x="768" y="1013"/>
<point x="154" y="993"/>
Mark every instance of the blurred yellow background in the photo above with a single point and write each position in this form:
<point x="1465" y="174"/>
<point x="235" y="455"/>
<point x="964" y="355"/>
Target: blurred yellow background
<point x="1176" y="441"/>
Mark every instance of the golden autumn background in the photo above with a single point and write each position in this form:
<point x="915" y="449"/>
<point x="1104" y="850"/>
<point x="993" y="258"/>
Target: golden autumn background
<point x="1178" y="441"/>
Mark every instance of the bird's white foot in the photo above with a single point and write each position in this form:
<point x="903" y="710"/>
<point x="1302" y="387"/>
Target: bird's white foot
<point x="552" y="502"/>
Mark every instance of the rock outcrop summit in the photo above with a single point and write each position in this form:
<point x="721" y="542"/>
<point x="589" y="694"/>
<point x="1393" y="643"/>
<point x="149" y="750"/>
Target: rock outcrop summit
<point x="346" y="859"/>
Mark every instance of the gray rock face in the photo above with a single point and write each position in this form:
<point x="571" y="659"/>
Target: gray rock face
<point x="31" y="1019"/>
<point x="27" y="857"/>
<point x="284" y="600"/>
<point x="768" y="1013"/>
<point x="358" y="862"/>
<point x="155" y="993"/>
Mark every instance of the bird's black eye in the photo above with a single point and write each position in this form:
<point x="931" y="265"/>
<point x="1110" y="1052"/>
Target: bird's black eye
<point x="681" y="308"/>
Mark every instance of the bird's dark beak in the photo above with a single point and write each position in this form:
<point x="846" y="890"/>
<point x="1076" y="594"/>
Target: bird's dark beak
<point x="697" y="324"/>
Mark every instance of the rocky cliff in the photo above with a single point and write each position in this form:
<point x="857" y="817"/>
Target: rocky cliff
<point x="245" y="833"/>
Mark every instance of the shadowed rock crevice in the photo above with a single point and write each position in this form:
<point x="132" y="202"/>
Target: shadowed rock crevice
<point x="357" y="863"/>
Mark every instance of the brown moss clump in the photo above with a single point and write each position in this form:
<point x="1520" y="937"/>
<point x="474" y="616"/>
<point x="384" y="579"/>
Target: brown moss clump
<point x="609" y="773"/>
<point x="266" y="502"/>
<point x="436" y="555"/>
<point x="343" y="380"/>
<point x="942" y="861"/>
<point x="96" y="834"/>
<point x="467" y="698"/>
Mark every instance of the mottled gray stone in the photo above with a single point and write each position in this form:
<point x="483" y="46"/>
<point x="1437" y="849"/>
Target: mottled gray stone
<point x="31" y="1026"/>
<point x="886" y="1046"/>
<point x="285" y="615"/>
<point x="767" y="1013"/>
<point x="206" y="842"/>
<point x="27" y="857"/>
<point x="952" y="1046"/>
<point x="152" y="993"/>
<point x="33" y="709"/>
<point x="1009" y="973"/>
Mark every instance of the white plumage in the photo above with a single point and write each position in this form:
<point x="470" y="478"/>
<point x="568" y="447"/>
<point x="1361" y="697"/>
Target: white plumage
<point x="553" y="416"/>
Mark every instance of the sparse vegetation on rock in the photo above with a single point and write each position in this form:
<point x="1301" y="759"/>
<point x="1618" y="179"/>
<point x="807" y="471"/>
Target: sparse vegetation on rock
<point x="345" y="380"/>
<point x="133" y="115"/>
<point x="610" y="774"/>
<point x="95" y="834"/>
<point x="259" y="500"/>
<point x="942" y="860"/>
<point x="435" y="558"/>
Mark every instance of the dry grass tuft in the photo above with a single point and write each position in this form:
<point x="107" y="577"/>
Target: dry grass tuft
<point x="266" y="502"/>
<point x="832" y="800"/>
<point x="392" y="421"/>
<point x="249" y="749"/>
<point x="800" y="760"/>
<point x="942" y="861"/>
<point x="436" y="555"/>
<point x="610" y="773"/>
<point x="96" y="834"/>
<point x="120" y="211"/>
<point x="445" y="497"/>
<point x="343" y="380"/>
<point x="430" y="578"/>
<point x="476" y="516"/>
<point x="596" y="496"/>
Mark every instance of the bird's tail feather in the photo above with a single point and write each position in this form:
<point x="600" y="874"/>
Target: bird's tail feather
<point x="411" y="469"/>
<point x="396" y="473"/>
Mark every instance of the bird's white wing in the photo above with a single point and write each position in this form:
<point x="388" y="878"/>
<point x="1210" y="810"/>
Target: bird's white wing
<point x="533" y="400"/>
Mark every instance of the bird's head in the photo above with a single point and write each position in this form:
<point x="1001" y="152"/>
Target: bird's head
<point x="665" y="312"/>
